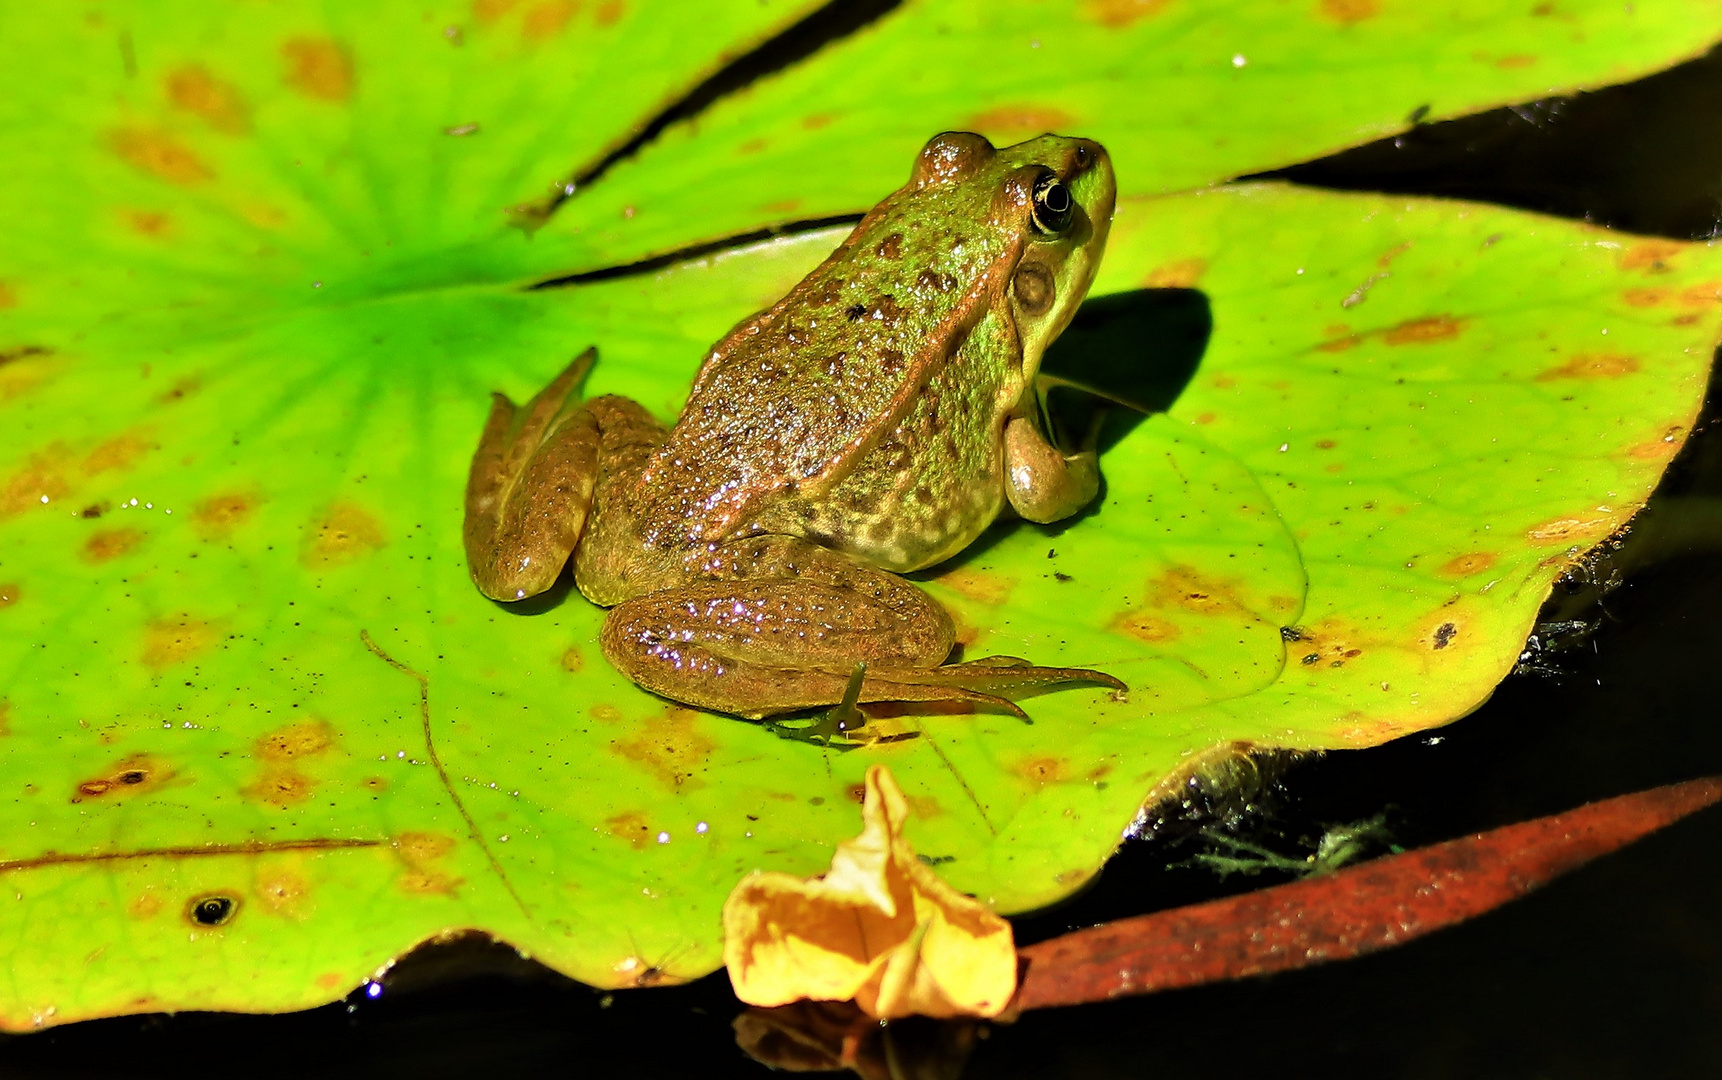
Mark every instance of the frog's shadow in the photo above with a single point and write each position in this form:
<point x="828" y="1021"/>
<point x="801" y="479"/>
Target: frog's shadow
<point x="1124" y="357"/>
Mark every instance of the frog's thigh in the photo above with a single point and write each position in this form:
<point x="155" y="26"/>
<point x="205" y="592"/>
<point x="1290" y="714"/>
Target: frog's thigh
<point x="759" y="645"/>
<point x="1041" y="483"/>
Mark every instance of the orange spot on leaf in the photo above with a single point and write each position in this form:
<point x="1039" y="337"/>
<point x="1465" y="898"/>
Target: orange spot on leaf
<point x="217" y="516"/>
<point x="118" y="453"/>
<point x="547" y="19"/>
<point x="283" y="891"/>
<point x="218" y="103"/>
<point x="282" y="787"/>
<point x="1425" y="330"/>
<point x="1184" y="588"/>
<point x="491" y="10"/>
<point x="1650" y="256"/>
<point x="160" y="155"/>
<point x="1043" y="769"/>
<point x="671" y="746"/>
<point x="144" y="906"/>
<point x="1347" y="12"/>
<point x="111" y="544"/>
<point x="1021" y="119"/>
<point x="1657" y="449"/>
<point x="422" y="847"/>
<point x="1182" y="274"/>
<point x="318" y="68"/>
<point x="609" y="12"/>
<point x="347" y="532"/>
<point x="1144" y="625"/>
<point x="1327" y="644"/>
<point x="1474" y="562"/>
<point x="424" y="881"/>
<point x="1515" y="61"/>
<point x="150" y="223"/>
<point x="1592" y="366"/>
<point x="176" y="639"/>
<point x="10" y="593"/>
<point x="1644" y="297"/>
<point x="1702" y="294"/>
<point x="632" y="827"/>
<point x="307" y="738"/>
<point x="981" y="586"/>
<point x="1118" y="14"/>
<point x="572" y="661"/>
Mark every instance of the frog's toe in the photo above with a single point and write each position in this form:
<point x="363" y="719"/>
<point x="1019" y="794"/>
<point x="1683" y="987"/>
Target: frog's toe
<point x="1012" y="676"/>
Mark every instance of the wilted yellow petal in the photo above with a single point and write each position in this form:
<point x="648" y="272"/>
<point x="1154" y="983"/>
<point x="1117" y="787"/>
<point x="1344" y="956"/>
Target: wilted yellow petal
<point x="879" y="928"/>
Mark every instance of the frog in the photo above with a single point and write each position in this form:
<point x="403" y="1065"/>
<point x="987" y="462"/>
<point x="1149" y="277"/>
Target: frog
<point x="873" y="422"/>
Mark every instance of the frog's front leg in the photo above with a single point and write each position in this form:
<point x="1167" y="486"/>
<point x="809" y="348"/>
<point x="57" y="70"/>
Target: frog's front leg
<point x="773" y="624"/>
<point x="1042" y="483"/>
<point x="532" y="478"/>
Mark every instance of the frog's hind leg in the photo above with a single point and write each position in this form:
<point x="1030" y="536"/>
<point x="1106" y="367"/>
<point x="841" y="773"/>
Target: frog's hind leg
<point x="530" y="487"/>
<point x="774" y="624"/>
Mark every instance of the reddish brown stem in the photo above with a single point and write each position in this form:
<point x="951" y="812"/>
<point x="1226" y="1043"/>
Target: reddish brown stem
<point x="1336" y="916"/>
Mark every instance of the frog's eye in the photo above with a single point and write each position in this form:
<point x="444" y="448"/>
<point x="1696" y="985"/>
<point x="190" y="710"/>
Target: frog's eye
<point x="1052" y="205"/>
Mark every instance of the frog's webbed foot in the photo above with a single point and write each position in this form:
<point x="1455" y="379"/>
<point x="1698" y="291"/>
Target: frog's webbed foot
<point x="530" y="486"/>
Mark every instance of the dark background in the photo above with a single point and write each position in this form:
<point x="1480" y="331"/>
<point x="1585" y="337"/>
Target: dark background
<point x="1615" y="971"/>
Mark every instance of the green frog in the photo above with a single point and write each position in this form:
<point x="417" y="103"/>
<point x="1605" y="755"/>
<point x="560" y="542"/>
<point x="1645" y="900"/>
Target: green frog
<point x="873" y="422"/>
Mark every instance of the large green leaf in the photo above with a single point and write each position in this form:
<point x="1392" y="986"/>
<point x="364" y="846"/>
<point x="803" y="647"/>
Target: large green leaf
<point x="1183" y="93"/>
<point x="262" y="735"/>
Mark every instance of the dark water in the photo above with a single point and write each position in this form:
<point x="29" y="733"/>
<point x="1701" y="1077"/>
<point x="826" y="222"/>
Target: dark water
<point x="1615" y="971"/>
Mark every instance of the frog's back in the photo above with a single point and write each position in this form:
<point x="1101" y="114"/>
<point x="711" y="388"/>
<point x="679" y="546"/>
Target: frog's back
<point x="796" y="399"/>
<point x="933" y="482"/>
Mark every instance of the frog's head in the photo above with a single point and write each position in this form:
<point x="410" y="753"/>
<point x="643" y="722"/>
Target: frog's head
<point x="1055" y="195"/>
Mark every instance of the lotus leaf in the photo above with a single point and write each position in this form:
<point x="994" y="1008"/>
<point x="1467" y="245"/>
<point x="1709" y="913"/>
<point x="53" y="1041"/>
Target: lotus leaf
<point x="262" y="269"/>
